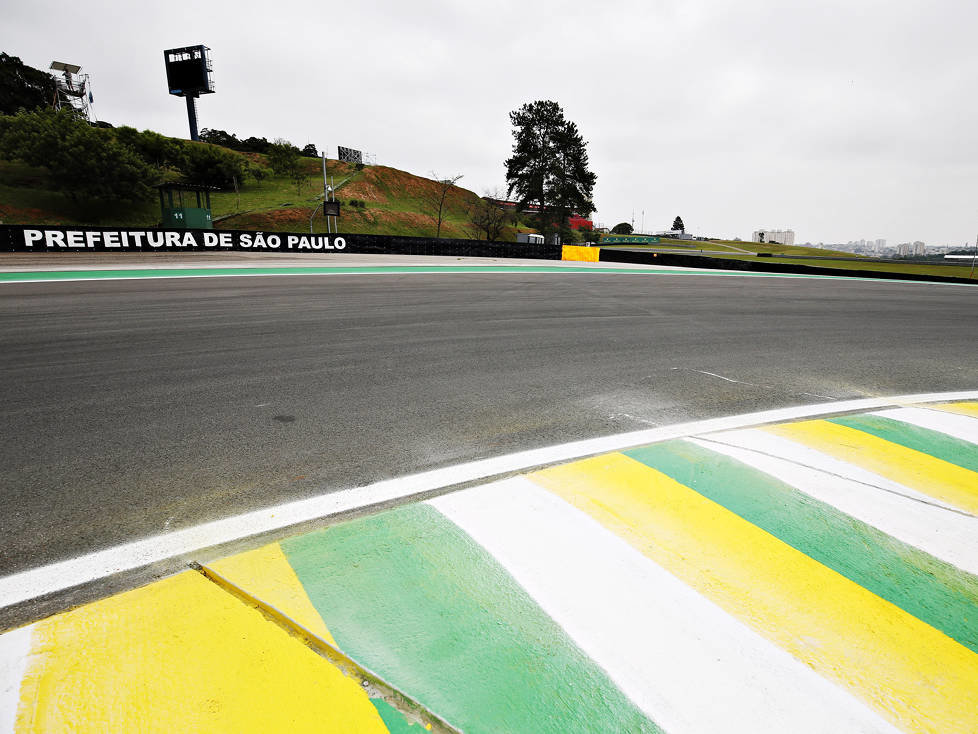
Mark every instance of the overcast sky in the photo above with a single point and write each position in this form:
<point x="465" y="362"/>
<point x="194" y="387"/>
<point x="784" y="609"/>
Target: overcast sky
<point x="842" y="119"/>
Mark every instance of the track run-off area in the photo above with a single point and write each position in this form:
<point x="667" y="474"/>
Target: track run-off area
<point x="487" y="498"/>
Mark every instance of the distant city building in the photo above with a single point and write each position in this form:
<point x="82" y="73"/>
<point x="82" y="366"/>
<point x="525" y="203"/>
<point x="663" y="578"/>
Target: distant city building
<point x="880" y="244"/>
<point x="675" y="234"/>
<point x="904" y="249"/>
<point x="778" y="236"/>
<point x="919" y="248"/>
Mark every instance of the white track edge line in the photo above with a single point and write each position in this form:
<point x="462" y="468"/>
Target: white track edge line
<point x="41" y="581"/>
<point x="424" y="270"/>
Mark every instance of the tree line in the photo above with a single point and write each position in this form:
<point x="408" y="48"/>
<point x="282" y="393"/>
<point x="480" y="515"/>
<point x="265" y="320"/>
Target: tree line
<point x="122" y="164"/>
<point x="252" y="144"/>
<point x="111" y="164"/>
<point x="548" y="170"/>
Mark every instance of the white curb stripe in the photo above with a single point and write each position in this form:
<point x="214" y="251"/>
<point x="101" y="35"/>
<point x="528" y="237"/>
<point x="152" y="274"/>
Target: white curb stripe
<point x="683" y="660"/>
<point x="951" y="424"/>
<point x="54" y="577"/>
<point x="15" y="648"/>
<point x="783" y="448"/>
<point x="422" y="270"/>
<point x="950" y="536"/>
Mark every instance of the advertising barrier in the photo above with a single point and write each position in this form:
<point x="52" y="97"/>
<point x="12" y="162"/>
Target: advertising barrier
<point x="42" y="238"/>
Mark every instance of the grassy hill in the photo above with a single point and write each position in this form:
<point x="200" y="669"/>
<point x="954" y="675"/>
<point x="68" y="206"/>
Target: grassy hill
<point x="393" y="203"/>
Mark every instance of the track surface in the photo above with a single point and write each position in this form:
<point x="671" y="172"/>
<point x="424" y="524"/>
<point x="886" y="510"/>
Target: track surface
<point x="131" y="407"/>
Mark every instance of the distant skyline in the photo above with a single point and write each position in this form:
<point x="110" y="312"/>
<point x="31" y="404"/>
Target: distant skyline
<point x="829" y="118"/>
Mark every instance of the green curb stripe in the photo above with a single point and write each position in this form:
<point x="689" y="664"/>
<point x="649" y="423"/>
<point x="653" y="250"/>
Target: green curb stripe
<point x="939" y="445"/>
<point x="410" y="596"/>
<point x="935" y="592"/>
<point x="394" y="720"/>
<point x="300" y="270"/>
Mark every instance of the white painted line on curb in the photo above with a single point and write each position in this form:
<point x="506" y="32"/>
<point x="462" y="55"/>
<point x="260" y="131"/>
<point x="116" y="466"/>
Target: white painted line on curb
<point x="15" y="648"/>
<point x="950" y="536"/>
<point x="654" y="270"/>
<point x="38" y="582"/>
<point x="660" y="640"/>
<point x="767" y="444"/>
<point x="957" y="426"/>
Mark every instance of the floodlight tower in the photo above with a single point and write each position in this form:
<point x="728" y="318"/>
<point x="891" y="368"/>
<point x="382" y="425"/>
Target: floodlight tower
<point x="188" y="74"/>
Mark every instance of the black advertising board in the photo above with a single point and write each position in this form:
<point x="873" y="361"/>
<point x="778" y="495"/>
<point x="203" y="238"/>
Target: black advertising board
<point x="350" y="155"/>
<point x="188" y="70"/>
<point x="331" y="208"/>
<point x="49" y="239"/>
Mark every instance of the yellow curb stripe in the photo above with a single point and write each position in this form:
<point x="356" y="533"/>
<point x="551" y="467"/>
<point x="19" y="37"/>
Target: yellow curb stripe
<point x="182" y="655"/>
<point x="268" y="576"/>
<point x="968" y="409"/>
<point x="911" y="673"/>
<point x="932" y="476"/>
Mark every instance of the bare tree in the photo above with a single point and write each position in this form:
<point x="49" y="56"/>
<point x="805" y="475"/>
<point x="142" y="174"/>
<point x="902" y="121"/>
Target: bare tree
<point x="487" y="218"/>
<point x="298" y="177"/>
<point x="433" y="201"/>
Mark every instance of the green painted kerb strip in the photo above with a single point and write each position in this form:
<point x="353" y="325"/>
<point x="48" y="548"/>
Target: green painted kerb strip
<point x="394" y="720"/>
<point x="937" y="444"/>
<point x="410" y="596"/>
<point x="935" y="592"/>
<point x="364" y="270"/>
<point x="54" y="275"/>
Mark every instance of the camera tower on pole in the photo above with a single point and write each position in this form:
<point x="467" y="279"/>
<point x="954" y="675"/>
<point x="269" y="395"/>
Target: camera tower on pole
<point x="188" y="74"/>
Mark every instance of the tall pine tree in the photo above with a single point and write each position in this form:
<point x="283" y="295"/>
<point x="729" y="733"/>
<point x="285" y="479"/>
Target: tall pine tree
<point x="549" y="165"/>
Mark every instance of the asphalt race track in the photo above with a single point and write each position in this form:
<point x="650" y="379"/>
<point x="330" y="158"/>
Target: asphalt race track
<point x="133" y="407"/>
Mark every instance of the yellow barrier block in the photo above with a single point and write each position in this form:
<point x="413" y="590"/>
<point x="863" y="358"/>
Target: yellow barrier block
<point x="182" y="655"/>
<point x="580" y="254"/>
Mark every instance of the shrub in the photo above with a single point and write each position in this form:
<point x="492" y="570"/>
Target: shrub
<point x="283" y="157"/>
<point x="84" y="161"/>
<point x="259" y="173"/>
<point x="209" y="165"/>
<point x="157" y="150"/>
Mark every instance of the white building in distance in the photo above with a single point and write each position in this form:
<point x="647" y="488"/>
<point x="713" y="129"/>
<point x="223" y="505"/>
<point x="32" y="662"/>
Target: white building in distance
<point x="779" y="236"/>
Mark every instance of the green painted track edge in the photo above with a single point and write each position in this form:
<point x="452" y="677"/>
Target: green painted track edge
<point x="136" y="273"/>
